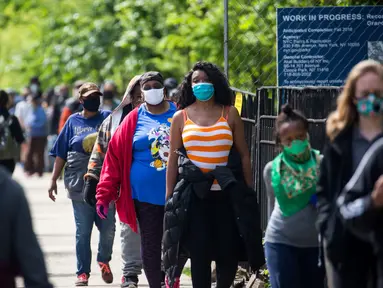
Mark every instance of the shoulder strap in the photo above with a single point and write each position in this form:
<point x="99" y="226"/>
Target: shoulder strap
<point x="227" y="110"/>
<point x="185" y="115"/>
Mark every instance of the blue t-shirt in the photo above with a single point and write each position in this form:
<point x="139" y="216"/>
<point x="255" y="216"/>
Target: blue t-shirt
<point x="151" y="144"/>
<point x="79" y="135"/>
<point x="36" y="121"/>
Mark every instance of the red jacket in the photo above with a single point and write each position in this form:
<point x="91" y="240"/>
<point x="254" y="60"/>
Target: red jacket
<point x="115" y="173"/>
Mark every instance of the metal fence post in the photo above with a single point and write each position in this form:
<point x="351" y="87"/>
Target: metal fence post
<point x="226" y="37"/>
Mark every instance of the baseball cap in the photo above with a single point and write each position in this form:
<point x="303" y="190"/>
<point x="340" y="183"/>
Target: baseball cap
<point x="151" y="76"/>
<point x="88" y="88"/>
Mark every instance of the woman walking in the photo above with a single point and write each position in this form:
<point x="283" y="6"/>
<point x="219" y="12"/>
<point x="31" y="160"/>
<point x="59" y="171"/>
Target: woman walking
<point x="72" y="148"/>
<point x="37" y="131"/>
<point x="291" y="240"/>
<point x="208" y="127"/>
<point x="134" y="170"/>
<point x="355" y="125"/>
<point x="11" y="135"/>
<point x="130" y="241"/>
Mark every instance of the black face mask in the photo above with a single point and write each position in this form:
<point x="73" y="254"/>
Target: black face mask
<point x="108" y="95"/>
<point x="92" y="104"/>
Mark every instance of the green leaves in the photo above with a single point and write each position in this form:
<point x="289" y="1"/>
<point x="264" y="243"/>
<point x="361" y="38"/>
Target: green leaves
<point x="116" y="39"/>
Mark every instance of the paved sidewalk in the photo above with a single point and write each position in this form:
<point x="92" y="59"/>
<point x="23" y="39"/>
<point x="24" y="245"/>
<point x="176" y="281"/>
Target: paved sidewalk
<point x="54" y="225"/>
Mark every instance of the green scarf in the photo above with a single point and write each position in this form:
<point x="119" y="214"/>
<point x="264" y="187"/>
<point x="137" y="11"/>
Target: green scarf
<point x="294" y="182"/>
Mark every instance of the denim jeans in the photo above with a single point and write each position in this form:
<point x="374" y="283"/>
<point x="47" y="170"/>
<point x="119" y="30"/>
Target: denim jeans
<point x="293" y="267"/>
<point x="85" y="216"/>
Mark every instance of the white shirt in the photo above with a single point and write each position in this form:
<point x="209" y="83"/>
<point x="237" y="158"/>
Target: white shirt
<point x="22" y="110"/>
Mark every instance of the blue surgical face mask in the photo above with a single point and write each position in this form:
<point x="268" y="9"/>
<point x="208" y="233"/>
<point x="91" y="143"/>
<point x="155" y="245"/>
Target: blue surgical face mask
<point x="203" y="91"/>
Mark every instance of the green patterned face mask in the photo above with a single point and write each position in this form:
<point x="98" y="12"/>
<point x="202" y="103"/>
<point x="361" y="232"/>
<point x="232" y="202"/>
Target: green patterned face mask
<point x="299" y="150"/>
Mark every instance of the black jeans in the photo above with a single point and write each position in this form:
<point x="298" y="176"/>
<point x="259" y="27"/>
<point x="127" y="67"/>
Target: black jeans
<point x="150" y="219"/>
<point x="213" y="235"/>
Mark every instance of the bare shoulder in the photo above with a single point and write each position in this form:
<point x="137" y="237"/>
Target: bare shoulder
<point x="233" y="112"/>
<point x="233" y="117"/>
<point x="179" y="114"/>
<point x="178" y="119"/>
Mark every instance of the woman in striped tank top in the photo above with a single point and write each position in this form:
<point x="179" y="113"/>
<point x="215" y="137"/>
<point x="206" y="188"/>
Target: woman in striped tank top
<point x="208" y="127"/>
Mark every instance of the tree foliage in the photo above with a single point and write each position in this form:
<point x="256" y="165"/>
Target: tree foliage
<point x="115" y="39"/>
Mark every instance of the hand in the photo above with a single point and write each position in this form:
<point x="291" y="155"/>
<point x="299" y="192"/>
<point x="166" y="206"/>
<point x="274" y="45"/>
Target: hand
<point x="90" y="191"/>
<point x="102" y="209"/>
<point x="53" y="190"/>
<point x="377" y="193"/>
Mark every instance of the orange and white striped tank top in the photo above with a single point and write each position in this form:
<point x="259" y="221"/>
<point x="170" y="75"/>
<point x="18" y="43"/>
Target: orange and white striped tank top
<point x="208" y="146"/>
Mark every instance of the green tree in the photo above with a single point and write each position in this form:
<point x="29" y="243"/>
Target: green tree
<point x="62" y="41"/>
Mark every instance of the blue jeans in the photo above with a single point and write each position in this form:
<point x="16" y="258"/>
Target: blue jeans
<point x="85" y="216"/>
<point x="293" y="267"/>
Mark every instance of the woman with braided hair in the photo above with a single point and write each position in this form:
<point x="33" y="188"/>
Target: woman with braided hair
<point x="292" y="247"/>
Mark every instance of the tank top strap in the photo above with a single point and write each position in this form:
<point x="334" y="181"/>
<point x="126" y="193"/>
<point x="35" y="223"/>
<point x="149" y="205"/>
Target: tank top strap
<point x="225" y="112"/>
<point x="185" y="115"/>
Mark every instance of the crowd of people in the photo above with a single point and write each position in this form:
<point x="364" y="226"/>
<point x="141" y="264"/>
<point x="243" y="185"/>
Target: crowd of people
<point x="37" y="116"/>
<point x="325" y="207"/>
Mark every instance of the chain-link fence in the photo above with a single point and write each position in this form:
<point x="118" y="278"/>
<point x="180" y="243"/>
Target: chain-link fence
<point x="259" y="112"/>
<point x="250" y="38"/>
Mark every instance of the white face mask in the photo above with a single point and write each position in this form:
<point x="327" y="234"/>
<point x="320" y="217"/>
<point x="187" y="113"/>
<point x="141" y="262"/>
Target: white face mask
<point x="153" y="96"/>
<point x="34" y="88"/>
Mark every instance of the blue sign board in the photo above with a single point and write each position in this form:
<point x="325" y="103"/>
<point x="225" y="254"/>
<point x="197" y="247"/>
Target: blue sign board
<point x="318" y="46"/>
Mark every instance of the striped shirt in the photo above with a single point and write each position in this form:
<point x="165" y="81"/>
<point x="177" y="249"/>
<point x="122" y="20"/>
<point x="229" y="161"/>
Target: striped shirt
<point x="208" y="146"/>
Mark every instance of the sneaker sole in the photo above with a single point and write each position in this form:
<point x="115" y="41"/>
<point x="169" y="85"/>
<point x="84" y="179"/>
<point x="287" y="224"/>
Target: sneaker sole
<point x="107" y="281"/>
<point x="128" y="286"/>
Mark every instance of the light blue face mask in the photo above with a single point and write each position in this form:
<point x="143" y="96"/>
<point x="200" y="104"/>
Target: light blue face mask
<point x="203" y="91"/>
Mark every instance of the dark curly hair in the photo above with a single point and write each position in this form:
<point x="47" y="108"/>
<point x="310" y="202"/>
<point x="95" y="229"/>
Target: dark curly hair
<point x="223" y="94"/>
<point x="288" y="114"/>
<point x="4" y="98"/>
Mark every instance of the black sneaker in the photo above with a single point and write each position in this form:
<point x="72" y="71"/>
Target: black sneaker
<point x="129" y="282"/>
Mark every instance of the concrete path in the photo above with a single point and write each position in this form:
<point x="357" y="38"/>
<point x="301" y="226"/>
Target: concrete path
<point x="54" y="225"/>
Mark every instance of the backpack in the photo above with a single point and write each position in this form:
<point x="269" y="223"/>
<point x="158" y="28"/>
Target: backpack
<point x="8" y="146"/>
